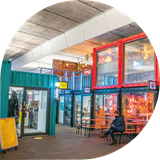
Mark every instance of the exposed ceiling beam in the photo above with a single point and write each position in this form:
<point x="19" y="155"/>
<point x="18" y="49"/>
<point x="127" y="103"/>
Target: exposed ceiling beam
<point x="25" y="42"/>
<point x="117" y="34"/>
<point x="45" y="26"/>
<point x="91" y="6"/>
<point x="33" y="35"/>
<point x="18" y="47"/>
<point x="93" y="42"/>
<point x="80" y="50"/>
<point x="132" y="25"/>
<point x="62" y="16"/>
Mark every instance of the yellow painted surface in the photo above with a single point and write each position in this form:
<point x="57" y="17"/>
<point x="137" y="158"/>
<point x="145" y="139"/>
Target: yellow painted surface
<point x="8" y="133"/>
<point x="63" y="85"/>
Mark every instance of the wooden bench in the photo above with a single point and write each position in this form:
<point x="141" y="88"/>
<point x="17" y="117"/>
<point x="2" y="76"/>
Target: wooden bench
<point x="121" y="133"/>
<point x="95" y="127"/>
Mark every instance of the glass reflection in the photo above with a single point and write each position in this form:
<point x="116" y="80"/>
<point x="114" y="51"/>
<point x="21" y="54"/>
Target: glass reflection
<point x="77" y="109"/>
<point x="138" y="61"/>
<point x="137" y="108"/>
<point x="67" y="110"/>
<point x="105" y="105"/>
<point x="107" y="67"/>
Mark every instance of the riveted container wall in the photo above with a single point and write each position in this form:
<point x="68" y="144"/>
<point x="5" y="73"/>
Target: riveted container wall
<point x="4" y="87"/>
<point x="86" y="81"/>
<point x="31" y="79"/>
<point x="77" y="83"/>
<point x="25" y="79"/>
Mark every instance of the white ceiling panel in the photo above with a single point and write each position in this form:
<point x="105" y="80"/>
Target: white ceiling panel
<point x="75" y="36"/>
<point x="45" y="60"/>
<point x="47" y="48"/>
<point x="37" y="53"/>
<point x="116" y="19"/>
<point x="59" y="43"/>
<point x="95" y="27"/>
<point x="85" y="47"/>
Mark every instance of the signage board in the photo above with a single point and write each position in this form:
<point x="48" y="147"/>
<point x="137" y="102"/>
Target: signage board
<point x="8" y="133"/>
<point x="34" y="104"/>
<point x="63" y="85"/>
<point x="68" y="91"/>
<point x="151" y="85"/>
<point x="87" y="90"/>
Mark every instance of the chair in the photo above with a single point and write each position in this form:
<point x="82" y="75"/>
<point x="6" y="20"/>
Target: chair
<point x="118" y="134"/>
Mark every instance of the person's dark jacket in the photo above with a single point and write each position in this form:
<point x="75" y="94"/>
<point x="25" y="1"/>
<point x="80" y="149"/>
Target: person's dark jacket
<point x="119" y="123"/>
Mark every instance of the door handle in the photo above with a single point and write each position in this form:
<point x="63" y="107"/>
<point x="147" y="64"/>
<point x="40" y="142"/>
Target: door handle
<point x="24" y="104"/>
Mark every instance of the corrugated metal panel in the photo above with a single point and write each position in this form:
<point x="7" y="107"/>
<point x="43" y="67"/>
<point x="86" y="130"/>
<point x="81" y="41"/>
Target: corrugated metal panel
<point x="86" y="81"/>
<point x="31" y="79"/>
<point x="4" y="87"/>
<point x="77" y="83"/>
<point x="69" y="83"/>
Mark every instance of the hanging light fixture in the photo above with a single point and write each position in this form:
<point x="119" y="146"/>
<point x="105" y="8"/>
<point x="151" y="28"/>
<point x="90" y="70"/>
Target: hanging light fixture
<point x="108" y="59"/>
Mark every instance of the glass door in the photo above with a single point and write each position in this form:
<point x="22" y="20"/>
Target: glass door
<point x="35" y="112"/>
<point x="110" y="104"/>
<point x="77" y="105"/>
<point x="67" y="110"/>
<point x="61" y="110"/>
<point x="86" y="108"/>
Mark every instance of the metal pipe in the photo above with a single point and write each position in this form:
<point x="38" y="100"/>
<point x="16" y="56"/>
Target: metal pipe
<point x="81" y="81"/>
<point x="73" y="76"/>
<point x="55" y="69"/>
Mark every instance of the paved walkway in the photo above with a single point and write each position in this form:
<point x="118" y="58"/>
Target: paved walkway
<point x="64" y="145"/>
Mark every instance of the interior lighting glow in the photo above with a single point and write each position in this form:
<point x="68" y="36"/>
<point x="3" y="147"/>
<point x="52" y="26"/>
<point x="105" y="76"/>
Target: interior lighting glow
<point x="57" y="84"/>
<point x="108" y="59"/>
<point x="67" y="64"/>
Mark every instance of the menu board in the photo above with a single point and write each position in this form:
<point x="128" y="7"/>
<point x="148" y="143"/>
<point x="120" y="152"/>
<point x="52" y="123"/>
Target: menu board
<point x="8" y="133"/>
<point x="63" y="85"/>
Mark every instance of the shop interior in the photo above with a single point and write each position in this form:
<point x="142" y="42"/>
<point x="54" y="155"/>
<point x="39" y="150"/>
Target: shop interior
<point x="34" y="112"/>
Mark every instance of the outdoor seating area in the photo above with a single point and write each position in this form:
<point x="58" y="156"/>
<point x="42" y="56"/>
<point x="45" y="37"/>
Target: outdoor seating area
<point x="133" y="128"/>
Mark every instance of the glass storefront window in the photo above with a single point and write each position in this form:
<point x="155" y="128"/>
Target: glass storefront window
<point x="107" y="67"/>
<point x="86" y="108"/>
<point x="138" y="62"/>
<point x="110" y="104"/>
<point x="138" y="106"/>
<point x="67" y="110"/>
<point x="105" y="105"/>
<point x="61" y="110"/>
<point x="78" y="109"/>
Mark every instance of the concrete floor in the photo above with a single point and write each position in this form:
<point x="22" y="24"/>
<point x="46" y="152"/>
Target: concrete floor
<point x="66" y="144"/>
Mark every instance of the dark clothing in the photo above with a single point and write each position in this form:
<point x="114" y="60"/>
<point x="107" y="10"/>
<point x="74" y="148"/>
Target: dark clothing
<point x="119" y="126"/>
<point x="111" y="131"/>
<point x="119" y="123"/>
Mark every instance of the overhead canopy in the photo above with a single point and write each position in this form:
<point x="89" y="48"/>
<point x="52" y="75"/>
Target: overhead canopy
<point x="67" y="31"/>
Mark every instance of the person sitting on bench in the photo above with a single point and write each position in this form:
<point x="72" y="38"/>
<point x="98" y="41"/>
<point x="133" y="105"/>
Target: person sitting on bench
<point x="118" y="125"/>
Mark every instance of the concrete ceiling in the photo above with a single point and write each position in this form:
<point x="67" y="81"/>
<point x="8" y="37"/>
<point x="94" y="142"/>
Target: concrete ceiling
<point x="67" y="31"/>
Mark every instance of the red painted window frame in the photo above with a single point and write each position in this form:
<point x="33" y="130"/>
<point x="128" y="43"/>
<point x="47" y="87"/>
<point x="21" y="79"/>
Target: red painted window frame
<point x="95" y="50"/>
<point x="120" y="43"/>
<point x="127" y="40"/>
